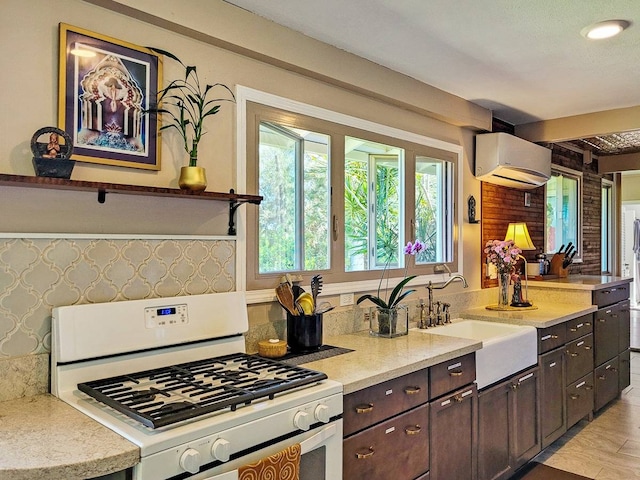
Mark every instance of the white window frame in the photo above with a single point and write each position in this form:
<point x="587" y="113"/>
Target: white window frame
<point x="247" y="94"/>
<point x="568" y="172"/>
<point x="612" y="227"/>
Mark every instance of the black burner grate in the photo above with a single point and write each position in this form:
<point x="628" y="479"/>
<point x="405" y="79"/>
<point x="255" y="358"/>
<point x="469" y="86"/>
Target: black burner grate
<point x="167" y="395"/>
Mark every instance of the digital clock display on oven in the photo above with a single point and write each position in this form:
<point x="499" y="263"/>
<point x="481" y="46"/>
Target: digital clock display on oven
<point x="166" y="311"/>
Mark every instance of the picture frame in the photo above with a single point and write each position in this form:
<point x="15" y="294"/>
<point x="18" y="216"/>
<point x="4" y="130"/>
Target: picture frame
<point x="105" y="87"/>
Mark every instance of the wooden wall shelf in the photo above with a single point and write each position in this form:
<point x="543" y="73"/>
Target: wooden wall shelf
<point x="234" y="199"/>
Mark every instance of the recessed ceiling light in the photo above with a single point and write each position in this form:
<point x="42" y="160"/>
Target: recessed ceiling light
<point x="607" y="29"/>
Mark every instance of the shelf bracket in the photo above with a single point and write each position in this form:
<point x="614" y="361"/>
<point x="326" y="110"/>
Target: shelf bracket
<point x="234" y="203"/>
<point x="102" y="195"/>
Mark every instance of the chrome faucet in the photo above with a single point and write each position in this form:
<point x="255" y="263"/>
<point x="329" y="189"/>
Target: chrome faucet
<point x="433" y="318"/>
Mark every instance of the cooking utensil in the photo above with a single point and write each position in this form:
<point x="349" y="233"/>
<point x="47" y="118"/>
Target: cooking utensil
<point x="284" y="294"/>
<point x="560" y="249"/>
<point x="324" y="307"/>
<point x="305" y="300"/>
<point x="316" y="287"/>
<point x="568" y="247"/>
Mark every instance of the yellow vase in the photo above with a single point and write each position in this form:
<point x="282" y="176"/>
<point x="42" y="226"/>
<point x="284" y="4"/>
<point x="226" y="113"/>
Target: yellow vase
<point x="192" y="178"/>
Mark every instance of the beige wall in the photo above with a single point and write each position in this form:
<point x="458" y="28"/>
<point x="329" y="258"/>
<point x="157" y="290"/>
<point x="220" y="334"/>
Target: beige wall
<point x="282" y="62"/>
<point x="30" y="99"/>
<point x="631" y="187"/>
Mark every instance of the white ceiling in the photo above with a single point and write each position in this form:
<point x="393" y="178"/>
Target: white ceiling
<point x="523" y="59"/>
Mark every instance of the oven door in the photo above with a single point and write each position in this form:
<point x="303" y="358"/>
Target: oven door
<point x="321" y="456"/>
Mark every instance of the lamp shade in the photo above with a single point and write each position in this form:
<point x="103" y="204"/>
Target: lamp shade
<point x="519" y="233"/>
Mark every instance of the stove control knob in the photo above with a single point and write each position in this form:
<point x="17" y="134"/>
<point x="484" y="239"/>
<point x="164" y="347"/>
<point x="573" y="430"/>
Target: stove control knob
<point x="322" y="413"/>
<point x="302" y="420"/>
<point x="221" y="450"/>
<point x="190" y="460"/>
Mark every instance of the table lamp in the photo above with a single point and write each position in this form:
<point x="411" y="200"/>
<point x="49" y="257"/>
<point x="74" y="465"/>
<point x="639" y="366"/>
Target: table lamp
<point x="519" y="233"/>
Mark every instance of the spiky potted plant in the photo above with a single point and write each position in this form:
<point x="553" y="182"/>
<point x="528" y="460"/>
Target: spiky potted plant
<point x="186" y="104"/>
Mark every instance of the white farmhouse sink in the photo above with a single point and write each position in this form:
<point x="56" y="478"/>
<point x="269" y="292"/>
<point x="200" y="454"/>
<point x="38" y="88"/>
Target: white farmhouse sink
<point x="506" y="349"/>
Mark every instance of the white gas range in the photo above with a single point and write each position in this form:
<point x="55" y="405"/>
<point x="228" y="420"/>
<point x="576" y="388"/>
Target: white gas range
<point x="171" y="376"/>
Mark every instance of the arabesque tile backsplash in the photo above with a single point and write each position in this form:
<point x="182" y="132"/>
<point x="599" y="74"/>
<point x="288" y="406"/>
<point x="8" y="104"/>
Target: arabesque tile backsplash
<point x="37" y="274"/>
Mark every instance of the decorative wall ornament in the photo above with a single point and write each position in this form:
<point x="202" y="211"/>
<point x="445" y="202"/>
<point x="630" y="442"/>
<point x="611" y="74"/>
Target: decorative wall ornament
<point x="105" y="86"/>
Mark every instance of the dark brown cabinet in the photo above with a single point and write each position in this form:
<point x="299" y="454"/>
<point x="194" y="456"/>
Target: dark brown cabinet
<point x="386" y="429"/>
<point x="396" y="448"/>
<point x="607" y="333"/>
<point x="606" y="382"/>
<point x="579" y="358"/>
<point x="580" y="400"/>
<point x="612" y="332"/>
<point x="552" y="396"/>
<point x="453" y="435"/>
<point x="508" y="425"/>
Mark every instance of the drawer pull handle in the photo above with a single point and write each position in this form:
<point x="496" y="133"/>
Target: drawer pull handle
<point x="574" y="396"/>
<point x="587" y="347"/>
<point x="572" y="354"/>
<point x="412" y="390"/>
<point x="602" y="377"/>
<point x="602" y="320"/>
<point x="365" y="408"/>
<point x="514" y="386"/>
<point x="413" y="430"/>
<point x="455" y="373"/>
<point x="588" y="387"/>
<point x="588" y="324"/>
<point x="458" y="398"/>
<point x="368" y="454"/>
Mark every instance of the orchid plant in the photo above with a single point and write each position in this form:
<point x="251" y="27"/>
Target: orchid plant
<point x="397" y="295"/>
<point x="503" y="254"/>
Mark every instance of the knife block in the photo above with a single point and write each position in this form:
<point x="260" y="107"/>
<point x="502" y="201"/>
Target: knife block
<point x="556" y="266"/>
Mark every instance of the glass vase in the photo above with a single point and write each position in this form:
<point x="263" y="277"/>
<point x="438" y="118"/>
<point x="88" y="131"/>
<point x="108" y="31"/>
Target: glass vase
<point x="503" y="290"/>
<point x="389" y="322"/>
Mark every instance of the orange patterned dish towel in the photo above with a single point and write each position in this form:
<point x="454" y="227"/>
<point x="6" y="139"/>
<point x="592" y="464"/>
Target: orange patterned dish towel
<point x="284" y="465"/>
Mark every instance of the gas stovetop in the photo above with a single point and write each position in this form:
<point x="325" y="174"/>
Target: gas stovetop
<point x="168" y="395"/>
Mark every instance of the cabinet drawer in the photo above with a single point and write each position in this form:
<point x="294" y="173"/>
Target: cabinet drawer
<point x="578" y="327"/>
<point x="609" y="296"/>
<point x="579" y="400"/>
<point x="448" y="376"/>
<point x="379" y="402"/>
<point x="579" y="358"/>
<point x="606" y="380"/>
<point x="624" y="326"/>
<point x="396" y="448"/>
<point x="551" y="337"/>
<point x="606" y="330"/>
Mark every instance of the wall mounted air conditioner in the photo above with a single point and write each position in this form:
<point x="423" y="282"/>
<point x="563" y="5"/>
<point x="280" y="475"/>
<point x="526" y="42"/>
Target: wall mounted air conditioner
<point x="511" y="161"/>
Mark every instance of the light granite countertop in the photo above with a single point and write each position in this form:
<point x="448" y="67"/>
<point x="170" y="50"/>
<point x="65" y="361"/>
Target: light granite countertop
<point x="376" y="360"/>
<point x="44" y="438"/>
<point x="546" y="315"/>
<point x="580" y="282"/>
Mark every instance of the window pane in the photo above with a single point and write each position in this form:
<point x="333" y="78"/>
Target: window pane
<point x="562" y="212"/>
<point x="294" y="215"/>
<point x="373" y="205"/>
<point x="606" y="227"/>
<point x="432" y="209"/>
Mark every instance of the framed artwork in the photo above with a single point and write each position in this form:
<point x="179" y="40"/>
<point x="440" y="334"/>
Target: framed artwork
<point x="105" y="86"/>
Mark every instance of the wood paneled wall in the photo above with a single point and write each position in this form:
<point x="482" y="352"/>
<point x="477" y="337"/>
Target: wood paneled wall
<point x="501" y="205"/>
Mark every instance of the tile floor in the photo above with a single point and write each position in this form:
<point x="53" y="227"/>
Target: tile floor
<point x="607" y="448"/>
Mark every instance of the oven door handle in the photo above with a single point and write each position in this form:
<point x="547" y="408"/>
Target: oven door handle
<point x="319" y="438"/>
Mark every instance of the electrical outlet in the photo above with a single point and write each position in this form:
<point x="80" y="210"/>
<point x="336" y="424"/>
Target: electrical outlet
<point x="346" y="299"/>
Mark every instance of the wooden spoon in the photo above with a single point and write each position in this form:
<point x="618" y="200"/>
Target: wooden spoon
<point x="284" y="293"/>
